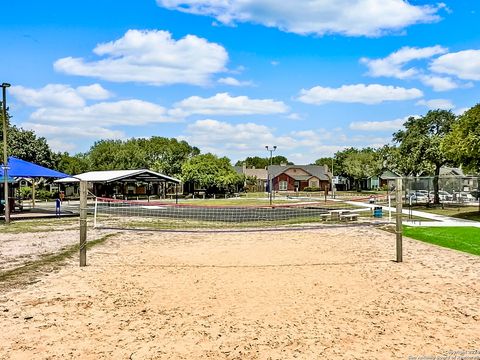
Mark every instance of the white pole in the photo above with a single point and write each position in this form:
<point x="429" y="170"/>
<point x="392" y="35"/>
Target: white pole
<point x="95" y="214"/>
<point x="333" y="182"/>
<point x="389" y="208"/>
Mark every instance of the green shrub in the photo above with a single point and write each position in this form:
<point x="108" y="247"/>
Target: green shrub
<point x="25" y="192"/>
<point x="311" y="189"/>
<point x="41" y="194"/>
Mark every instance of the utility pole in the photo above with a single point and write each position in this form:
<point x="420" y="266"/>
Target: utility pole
<point x="269" y="176"/>
<point x="5" y="154"/>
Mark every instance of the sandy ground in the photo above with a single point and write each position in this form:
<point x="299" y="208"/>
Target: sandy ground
<point x="316" y="294"/>
<point x="19" y="249"/>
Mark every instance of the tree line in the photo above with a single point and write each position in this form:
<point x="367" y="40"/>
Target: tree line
<point x="422" y="147"/>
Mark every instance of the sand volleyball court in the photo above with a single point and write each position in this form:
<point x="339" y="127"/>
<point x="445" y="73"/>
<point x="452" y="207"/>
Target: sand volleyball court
<point x="317" y="294"/>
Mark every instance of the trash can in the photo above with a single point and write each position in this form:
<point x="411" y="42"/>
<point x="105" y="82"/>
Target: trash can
<point x="377" y="211"/>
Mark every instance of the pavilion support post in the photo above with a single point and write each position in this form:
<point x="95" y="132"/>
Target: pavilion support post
<point x="33" y="193"/>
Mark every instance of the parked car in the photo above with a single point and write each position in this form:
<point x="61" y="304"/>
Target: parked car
<point x="463" y="196"/>
<point x="443" y="195"/>
<point x="418" y="196"/>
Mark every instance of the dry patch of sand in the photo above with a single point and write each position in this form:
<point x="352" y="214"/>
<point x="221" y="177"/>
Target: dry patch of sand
<point x="326" y="293"/>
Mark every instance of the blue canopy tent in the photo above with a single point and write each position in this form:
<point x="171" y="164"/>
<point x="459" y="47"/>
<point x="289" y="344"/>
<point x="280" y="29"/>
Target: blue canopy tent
<point x="21" y="168"/>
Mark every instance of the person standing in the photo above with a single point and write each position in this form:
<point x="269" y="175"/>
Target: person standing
<point x="58" y="203"/>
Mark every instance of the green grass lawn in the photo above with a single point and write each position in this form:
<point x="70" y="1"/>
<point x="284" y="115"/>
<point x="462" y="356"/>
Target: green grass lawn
<point x="466" y="239"/>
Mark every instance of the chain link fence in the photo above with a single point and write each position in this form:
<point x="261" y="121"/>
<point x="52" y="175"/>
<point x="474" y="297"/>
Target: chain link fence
<point x="452" y="190"/>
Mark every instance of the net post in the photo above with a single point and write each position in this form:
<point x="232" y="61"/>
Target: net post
<point x="398" y="229"/>
<point x="83" y="223"/>
<point x="389" y="207"/>
<point x="95" y="213"/>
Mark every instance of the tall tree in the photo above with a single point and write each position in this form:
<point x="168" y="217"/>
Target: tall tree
<point x="117" y="155"/>
<point x="340" y="157"/>
<point x="26" y="145"/>
<point x="463" y="142"/>
<point x="420" y="142"/>
<point x="362" y="164"/>
<point x="261" y="163"/>
<point x="212" y="173"/>
<point x="72" y="165"/>
<point x="168" y="155"/>
<point x="331" y="162"/>
<point x="156" y="153"/>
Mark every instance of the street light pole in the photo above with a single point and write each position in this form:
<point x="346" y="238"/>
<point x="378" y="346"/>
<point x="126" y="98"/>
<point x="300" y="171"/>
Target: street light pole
<point x="5" y="155"/>
<point x="269" y="176"/>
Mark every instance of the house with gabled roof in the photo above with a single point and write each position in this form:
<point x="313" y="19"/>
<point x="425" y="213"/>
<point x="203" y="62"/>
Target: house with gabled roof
<point x="386" y="178"/>
<point x="299" y="177"/>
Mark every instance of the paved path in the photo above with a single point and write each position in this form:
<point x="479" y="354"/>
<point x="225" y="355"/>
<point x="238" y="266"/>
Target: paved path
<point x="436" y="219"/>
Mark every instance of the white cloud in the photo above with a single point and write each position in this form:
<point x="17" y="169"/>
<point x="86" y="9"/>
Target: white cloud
<point x="460" y="111"/>
<point x="59" y="95"/>
<point x="126" y="112"/>
<point x="439" y="83"/>
<point x="294" y="116"/>
<point x="463" y="64"/>
<point x="57" y="144"/>
<point x="359" y="93"/>
<point x="377" y="125"/>
<point x="388" y="125"/>
<point x="392" y="65"/>
<point x="151" y="57"/>
<point x="346" y="17"/>
<point x="234" y="82"/>
<point x="93" y="92"/>
<point x="245" y="137"/>
<point x="224" y="104"/>
<point x="434" y="104"/>
<point x="93" y="132"/>
<point x="249" y="139"/>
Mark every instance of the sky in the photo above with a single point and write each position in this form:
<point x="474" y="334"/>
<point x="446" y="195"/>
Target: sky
<point x="311" y="77"/>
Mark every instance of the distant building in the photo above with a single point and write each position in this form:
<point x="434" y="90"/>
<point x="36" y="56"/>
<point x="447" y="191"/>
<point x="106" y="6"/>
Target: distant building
<point x="386" y="178"/>
<point x="299" y="177"/>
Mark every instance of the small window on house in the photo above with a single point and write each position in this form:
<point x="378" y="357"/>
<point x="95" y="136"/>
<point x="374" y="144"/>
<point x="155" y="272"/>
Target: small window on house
<point x="283" y="185"/>
<point x="314" y="183"/>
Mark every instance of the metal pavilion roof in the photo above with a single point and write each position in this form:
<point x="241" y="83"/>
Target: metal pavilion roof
<point x="108" y="176"/>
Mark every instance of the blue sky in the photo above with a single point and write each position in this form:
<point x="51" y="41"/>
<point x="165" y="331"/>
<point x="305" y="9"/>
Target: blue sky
<point x="310" y="76"/>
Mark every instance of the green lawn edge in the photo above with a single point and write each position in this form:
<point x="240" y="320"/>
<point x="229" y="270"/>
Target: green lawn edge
<point x="465" y="239"/>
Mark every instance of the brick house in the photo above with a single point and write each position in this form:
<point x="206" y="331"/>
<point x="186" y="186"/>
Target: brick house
<point x="298" y="177"/>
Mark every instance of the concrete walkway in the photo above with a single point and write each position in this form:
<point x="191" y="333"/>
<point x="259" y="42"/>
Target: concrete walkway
<point x="436" y="219"/>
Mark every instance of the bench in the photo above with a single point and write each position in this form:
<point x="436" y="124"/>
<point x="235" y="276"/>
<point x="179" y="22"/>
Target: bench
<point x="324" y="217"/>
<point x="349" y="217"/>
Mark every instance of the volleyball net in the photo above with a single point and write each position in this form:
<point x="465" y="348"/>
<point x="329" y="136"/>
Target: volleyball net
<point x="289" y="212"/>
